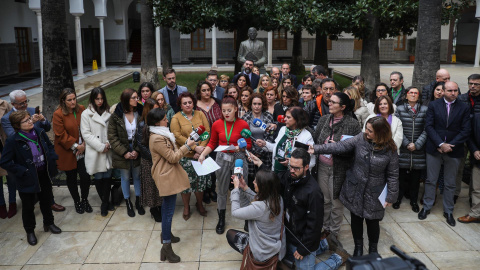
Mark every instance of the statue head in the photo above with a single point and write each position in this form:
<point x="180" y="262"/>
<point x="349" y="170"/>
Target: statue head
<point x="252" y="33"/>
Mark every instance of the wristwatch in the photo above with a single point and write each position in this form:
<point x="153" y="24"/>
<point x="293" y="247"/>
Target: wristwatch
<point x="74" y="146"/>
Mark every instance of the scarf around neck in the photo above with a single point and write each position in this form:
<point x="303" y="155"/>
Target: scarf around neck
<point x="164" y="131"/>
<point x="291" y="134"/>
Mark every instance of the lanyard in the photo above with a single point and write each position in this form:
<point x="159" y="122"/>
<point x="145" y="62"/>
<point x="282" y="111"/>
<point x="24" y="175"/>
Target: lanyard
<point x="184" y="115"/>
<point x="226" y="132"/>
<point x="74" y="114"/>
<point x="395" y="97"/>
<point x="35" y="142"/>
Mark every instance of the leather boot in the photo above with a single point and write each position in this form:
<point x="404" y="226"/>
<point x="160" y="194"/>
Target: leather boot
<point x="358" y="251"/>
<point x="372" y="248"/>
<point x="139" y="206"/>
<point x="105" y="196"/>
<point x="100" y="191"/>
<point x="156" y="213"/>
<point x="166" y="253"/>
<point x="12" y="210"/>
<point x="221" y="222"/>
<point x="3" y="211"/>
<point x="130" y="211"/>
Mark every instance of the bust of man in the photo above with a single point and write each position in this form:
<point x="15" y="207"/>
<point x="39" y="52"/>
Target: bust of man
<point x="252" y="49"/>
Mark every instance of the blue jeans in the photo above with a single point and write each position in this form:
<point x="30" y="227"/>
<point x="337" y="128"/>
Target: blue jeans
<point x="125" y="176"/>
<point x="12" y="190"/>
<point x="168" y="208"/>
<point x="308" y="262"/>
<point x="103" y="175"/>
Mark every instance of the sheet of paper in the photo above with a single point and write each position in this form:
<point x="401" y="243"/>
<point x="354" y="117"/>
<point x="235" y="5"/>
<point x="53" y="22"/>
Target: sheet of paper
<point x="209" y="165"/>
<point x="221" y="148"/>
<point x="383" y="196"/>
<point x="345" y="137"/>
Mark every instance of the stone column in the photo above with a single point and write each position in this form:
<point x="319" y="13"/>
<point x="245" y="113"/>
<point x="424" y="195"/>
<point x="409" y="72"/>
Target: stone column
<point x="270" y="46"/>
<point x="214" y="47"/>
<point x="157" y="46"/>
<point x="40" y="44"/>
<point x="102" y="43"/>
<point x="78" y="38"/>
<point x="477" y="51"/>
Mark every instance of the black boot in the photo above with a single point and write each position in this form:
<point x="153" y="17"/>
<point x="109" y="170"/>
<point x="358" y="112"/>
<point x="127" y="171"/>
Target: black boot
<point x="105" y="196"/>
<point x="139" y="206"/>
<point x="221" y="222"/>
<point x="156" y="213"/>
<point x="358" y="247"/>
<point x="372" y="248"/>
<point x="130" y="211"/>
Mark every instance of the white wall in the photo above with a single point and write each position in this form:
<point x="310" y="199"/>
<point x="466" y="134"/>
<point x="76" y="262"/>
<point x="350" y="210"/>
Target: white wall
<point x="13" y="14"/>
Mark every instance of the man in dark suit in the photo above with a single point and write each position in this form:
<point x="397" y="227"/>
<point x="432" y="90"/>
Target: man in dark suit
<point x="19" y="100"/>
<point x="212" y="78"/>
<point x="286" y="71"/>
<point x="448" y="128"/>
<point x="254" y="78"/>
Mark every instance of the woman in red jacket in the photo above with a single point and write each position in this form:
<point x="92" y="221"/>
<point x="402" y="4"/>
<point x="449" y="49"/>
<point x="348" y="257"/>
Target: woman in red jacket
<point x="227" y="131"/>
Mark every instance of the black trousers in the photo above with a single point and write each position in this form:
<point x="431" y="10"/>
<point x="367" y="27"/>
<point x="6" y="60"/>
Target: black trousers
<point x="373" y="228"/>
<point x="85" y="181"/>
<point x="409" y="180"/>
<point x="45" y="197"/>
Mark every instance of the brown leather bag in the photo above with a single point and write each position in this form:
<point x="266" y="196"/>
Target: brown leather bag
<point x="250" y="263"/>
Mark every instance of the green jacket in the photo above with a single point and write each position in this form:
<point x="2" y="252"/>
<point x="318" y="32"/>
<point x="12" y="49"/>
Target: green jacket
<point x="118" y="139"/>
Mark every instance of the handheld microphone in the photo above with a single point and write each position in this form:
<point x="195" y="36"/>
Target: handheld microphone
<point x="258" y="123"/>
<point x="204" y="136"/>
<point x="195" y="135"/>
<point x="242" y="143"/>
<point x="238" y="169"/>
<point x="247" y="134"/>
<point x="281" y="118"/>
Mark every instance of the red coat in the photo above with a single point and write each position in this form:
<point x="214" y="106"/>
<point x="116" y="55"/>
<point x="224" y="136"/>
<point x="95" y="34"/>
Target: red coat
<point x="66" y="129"/>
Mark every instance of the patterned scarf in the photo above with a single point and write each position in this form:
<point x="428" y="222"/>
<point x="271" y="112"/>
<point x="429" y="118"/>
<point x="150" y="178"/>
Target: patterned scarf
<point x="291" y="134"/>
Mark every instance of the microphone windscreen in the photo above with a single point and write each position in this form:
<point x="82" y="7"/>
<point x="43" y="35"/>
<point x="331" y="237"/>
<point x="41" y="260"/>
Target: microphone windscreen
<point x="281" y="118"/>
<point x="242" y="143"/>
<point x="200" y="130"/>
<point x="246" y="133"/>
<point x="257" y="122"/>
<point x="239" y="163"/>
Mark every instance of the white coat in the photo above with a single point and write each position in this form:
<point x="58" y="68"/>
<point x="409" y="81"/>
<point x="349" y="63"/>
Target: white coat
<point x="94" y="132"/>
<point x="396" y="128"/>
<point x="304" y="137"/>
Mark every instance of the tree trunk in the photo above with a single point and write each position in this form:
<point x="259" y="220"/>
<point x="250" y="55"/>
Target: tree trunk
<point x="242" y="34"/>
<point x="57" y="69"/>
<point x="297" y="66"/>
<point x="166" y="50"/>
<point x="149" y="71"/>
<point x="370" y="67"/>
<point x="427" y="49"/>
<point x="321" y="52"/>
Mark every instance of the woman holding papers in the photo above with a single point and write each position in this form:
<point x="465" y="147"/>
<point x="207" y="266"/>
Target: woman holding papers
<point x="169" y="176"/>
<point x="331" y="168"/>
<point x="226" y="132"/>
<point x="376" y="164"/>
<point x="183" y="124"/>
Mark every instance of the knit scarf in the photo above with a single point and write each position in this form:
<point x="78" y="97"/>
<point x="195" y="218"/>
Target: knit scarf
<point x="291" y="134"/>
<point x="37" y="152"/>
<point x="164" y="131"/>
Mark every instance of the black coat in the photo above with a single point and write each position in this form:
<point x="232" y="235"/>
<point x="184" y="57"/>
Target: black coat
<point x="253" y="81"/>
<point x="413" y="132"/>
<point x="303" y="201"/>
<point x="17" y="159"/>
<point x="453" y="129"/>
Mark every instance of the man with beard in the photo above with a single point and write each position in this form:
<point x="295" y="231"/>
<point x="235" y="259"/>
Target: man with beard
<point x="397" y="88"/>
<point x="303" y="201"/>
<point x="247" y="70"/>
<point x="171" y="91"/>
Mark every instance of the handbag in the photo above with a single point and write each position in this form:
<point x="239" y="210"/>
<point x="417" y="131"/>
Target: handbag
<point x="250" y="263"/>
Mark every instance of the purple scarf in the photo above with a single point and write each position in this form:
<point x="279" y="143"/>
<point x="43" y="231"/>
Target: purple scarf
<point x="37" y="152"/>
<point x="389" y="119"/>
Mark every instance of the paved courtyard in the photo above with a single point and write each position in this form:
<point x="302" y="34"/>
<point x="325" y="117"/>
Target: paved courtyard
<point x="90" y="241"/>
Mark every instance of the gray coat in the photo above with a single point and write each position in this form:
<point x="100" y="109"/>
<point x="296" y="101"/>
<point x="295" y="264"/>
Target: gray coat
<point x="413" y="131"/>
<point x="347" y="126"/>
<point x="366" y="179"/>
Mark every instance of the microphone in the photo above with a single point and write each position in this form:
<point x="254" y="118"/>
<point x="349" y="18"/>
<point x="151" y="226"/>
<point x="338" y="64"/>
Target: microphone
<point x="204" y="136"/>
<point x="238" y="169"/>
<point x="242" y="143"/>
<point x="281" y="118"/>
<point x="247" y="134"/>
<point x="258" y="123"/>
<point x="195" y="135"/>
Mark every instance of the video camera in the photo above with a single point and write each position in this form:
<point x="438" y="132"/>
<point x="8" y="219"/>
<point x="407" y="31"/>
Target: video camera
<point x="375" y="262"/>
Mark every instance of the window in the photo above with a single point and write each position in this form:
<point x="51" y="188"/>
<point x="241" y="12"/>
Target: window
<point x="197" y="39"/>
<point x="357" y="44"/>
<point x="279" y="39"/>
<point x="400" y="43"/>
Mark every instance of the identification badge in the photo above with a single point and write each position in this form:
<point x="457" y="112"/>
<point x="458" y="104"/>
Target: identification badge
<point x="281" y="153"/>
<point x="227" y="158"/>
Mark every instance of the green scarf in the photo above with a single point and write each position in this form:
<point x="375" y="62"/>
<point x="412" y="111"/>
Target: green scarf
<point x="291" y="134"/>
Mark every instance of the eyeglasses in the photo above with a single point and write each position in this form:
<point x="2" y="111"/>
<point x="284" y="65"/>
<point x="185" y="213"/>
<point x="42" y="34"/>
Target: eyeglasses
<point x="22" y="103"/>
<point x="27" y="120"/>
<point x="297" y="169"/>
<point x="187" y="102"/>
<point x="381" y="90"/>
<point x="413" y="93"/>
<point x="333" y="102"/>
<point x="224" y="81"/>
<point x="136" y="98"/>
<point x="473" y="84"/>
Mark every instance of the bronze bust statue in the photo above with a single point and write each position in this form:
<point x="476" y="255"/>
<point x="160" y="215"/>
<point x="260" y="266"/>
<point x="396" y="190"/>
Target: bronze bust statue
<point x="253" y="49"/>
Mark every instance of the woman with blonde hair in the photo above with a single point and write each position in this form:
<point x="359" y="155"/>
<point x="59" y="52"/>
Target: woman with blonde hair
<point x="160" y="99"/>
<point x="360" y="111"/>
<point x="224" y="81"/>
<point x="265" y="82"/>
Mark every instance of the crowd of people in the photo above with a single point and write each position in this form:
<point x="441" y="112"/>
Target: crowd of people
<point x="301" y="150"/>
